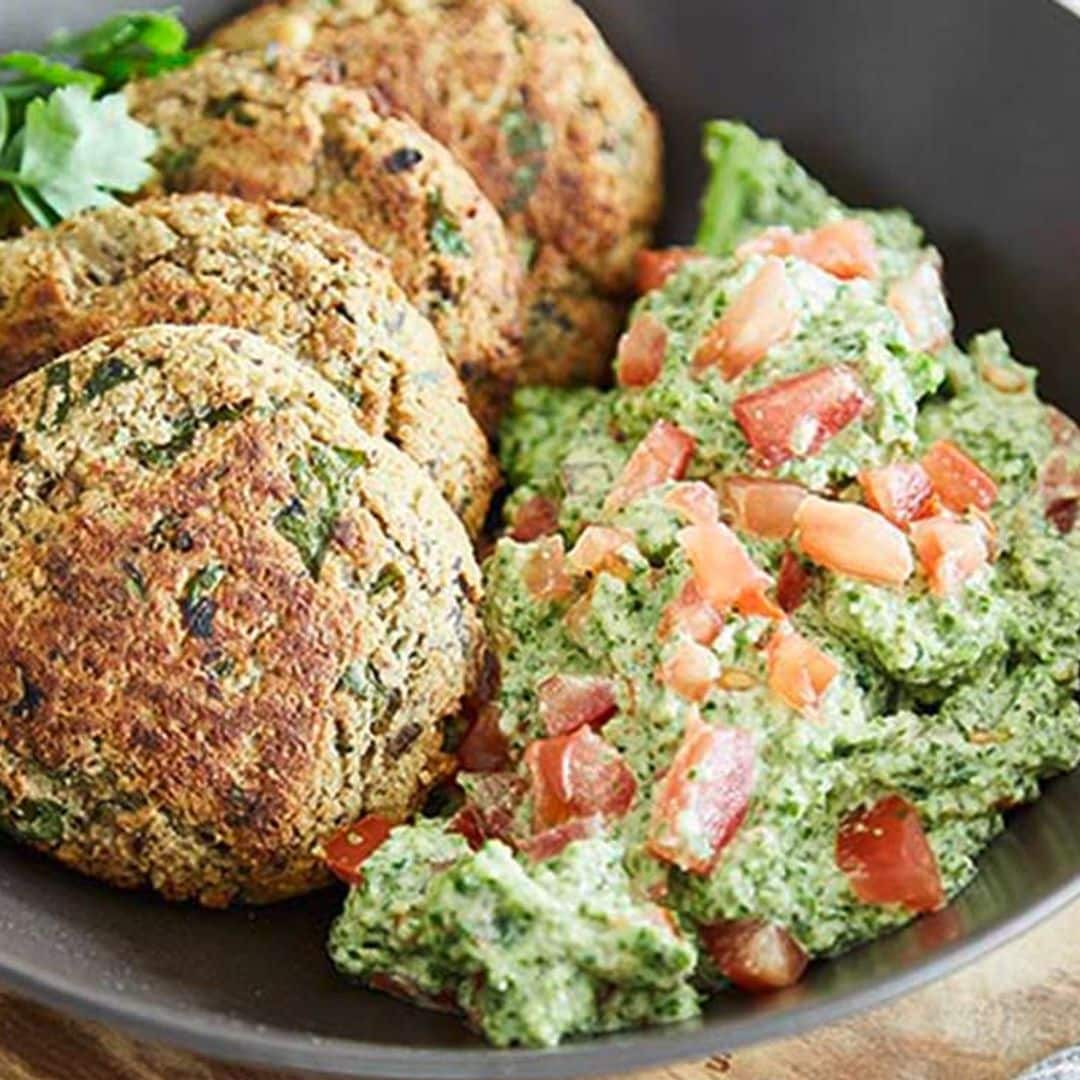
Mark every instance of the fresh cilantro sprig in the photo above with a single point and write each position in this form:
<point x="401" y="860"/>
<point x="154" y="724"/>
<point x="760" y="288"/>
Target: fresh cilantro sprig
<point x="67" y="142"/>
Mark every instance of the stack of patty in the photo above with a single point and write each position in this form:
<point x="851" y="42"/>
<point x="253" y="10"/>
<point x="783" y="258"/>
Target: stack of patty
<point x="237" y="599"/>
<point x="242" y="440"/>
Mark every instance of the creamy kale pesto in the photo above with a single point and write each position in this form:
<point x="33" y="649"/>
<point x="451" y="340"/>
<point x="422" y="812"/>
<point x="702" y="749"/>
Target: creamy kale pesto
<point x="949" y="692"/>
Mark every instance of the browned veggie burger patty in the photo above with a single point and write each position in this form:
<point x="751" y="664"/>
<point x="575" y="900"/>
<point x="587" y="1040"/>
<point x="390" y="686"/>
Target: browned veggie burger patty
<point x="284" y="272"/>
<point x="230" y="619"/>
<point x="277" y="129"/>
<point x="533" y="102"/>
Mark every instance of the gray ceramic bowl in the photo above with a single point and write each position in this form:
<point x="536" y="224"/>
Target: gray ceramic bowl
<point x="963" y="110"/>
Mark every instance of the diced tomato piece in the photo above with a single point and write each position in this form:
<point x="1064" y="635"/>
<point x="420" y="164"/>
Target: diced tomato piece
<point x="577" y="775"/>
<point x="494" y="799"/>
<point x="792" y="582"/>
<point x="544" y="571"/>
<point x="347" y="850"/>
<point x="689" y="613"/>
<point x="598" y="551"/>
<point x="799" y="672"/>
<point x="796" y="417"/>
<point x="550" y="842"/>
<point x="755" y="955"/>
<point x="485" y="748"/>
<point x="956" y="479"/>
<point x="535" y="517"/>
<point x="724" y="573"/>
<point x="853" y="540"/>
<point x="887" y="859"/>
<point x="919" y="301"/>
<point x="1059" y="477"/>
<point x="568" y="702"/>
<point x="653" y="268"/>
<point x="845" y="249"/>
<point x="696" y="502"/>
<point x="664" y="454"/>
<point x="703" y="798"/>
<point x="763" y="314"/>
<point x="691" y="671"/>
<point x="468" y="823"/>
<point x="640" y="355"/>
<point x="764" y="507"/>
<point x="950" y="552"/>
<point x="901" y="491"/>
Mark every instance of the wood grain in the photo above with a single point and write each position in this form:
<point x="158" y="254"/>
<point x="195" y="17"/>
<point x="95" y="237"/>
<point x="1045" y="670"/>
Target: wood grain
<point x="984" y="1023"/>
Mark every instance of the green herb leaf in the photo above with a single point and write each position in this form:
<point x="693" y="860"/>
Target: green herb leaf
<point x="133" y="579"/>
<point x="443" y="230"/>
<point x="112" y="371"/>
<point x="197" y="606"/>
<point x="57" y="389"/>
<point x="77" y="151"/>
<point x="164" y="455"/>
<point x="308" y="520"/>
<point x="42" y="69"/>
<point x="524" y="133"/>
<point x="39" y="820"/>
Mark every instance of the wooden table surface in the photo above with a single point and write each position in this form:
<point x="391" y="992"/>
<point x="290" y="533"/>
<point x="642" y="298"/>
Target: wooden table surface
<point x="986" y="1022"/>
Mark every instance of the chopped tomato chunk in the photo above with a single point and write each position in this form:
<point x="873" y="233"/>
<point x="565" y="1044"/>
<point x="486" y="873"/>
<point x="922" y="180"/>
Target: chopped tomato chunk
<point x="887" y="859"/>
<point x="640" y="355"/>
<point x="598" y="551"/>
<point x="854" y="541"/>
<point x="796" y="417"/>
<point x="764" y="507"/>
<point x="900" y="491"/>
<point x="348" y="849"/>
<point x="1059" y="477"/>
<point x="956" y="479"/>
<point x="845" y="249"/>
<point x="755" y="955"/>
<point x="695" y="501"/>
<point x="703" y="797"/>
<point x="724" y="573"/>
<point x="792" y="582"/>
<point x="485" y="748"/>
<point x="919" y="301"/>
<point x="577" y="775"/>
<point x="691" y="671"/>
<point x="664" y="454"/>
<point x="799" y="672"/>
<point x="535" y="517"/>
<point x="950" y="552"/>
<point x="568" y="702"/>
<point x="654" y="267"/>
<point x="763" y="314"/>
<point x="490" y="813"/>
<point x="544" y="572"/>
<point x="550" y="842"/>
<point x="468" y="823"/>
<point x="689" y="613"/>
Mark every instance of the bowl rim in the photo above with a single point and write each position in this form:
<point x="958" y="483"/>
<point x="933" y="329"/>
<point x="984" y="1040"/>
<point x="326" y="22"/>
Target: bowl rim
<point x="213" y="1035"/>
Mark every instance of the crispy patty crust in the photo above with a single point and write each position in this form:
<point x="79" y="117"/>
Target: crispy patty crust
<point x="280" y="129"/>
<point x="303" y="283"/>
<point x="230" y="620"/>
<point x="531" y="99"/>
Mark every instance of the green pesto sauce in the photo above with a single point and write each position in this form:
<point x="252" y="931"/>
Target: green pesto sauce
<point x="961" y="704"/>
<point x="530" y="953"/>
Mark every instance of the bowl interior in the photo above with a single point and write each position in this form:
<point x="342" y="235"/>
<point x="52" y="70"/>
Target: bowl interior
<point x="964" y="113"/>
